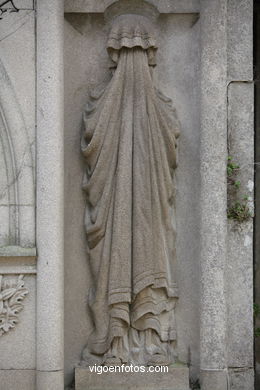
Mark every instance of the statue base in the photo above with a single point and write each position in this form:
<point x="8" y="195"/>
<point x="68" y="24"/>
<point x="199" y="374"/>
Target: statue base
<point x="128" y="378"/>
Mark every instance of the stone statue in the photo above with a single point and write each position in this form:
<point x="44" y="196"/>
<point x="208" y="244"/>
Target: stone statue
<point x="129" y="143"/>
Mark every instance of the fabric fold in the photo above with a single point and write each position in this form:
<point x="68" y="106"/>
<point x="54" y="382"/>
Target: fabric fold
<point x="129" y="143"/>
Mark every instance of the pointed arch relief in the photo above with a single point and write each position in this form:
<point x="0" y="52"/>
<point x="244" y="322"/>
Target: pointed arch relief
<point x="17" y="181"/>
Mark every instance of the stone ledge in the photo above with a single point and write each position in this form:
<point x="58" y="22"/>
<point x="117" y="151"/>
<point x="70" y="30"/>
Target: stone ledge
<point x="177" y="378"/>
<point x="17" y="251"/>
<point x="164" y="6"/>
<point x="17" y="260"/>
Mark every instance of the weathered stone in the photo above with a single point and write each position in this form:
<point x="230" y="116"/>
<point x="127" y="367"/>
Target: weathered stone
<point x="51" y="380"/>
<point x="241" y="379"/>
<point x="17" y="379"/>
<point x="175" y="379"/>
<point x="12" y="293"/>
<point x="20" y="4"/>
<point x="50" y="194"/>
<point x="217" y="32"/>
<point x="18" y="346"/>
<point x="214" y="379"/>
<point x="164" y="6"/>
<point x="17" y="251"/>
<point x="178" y="43"/>
<point x="130" y="162"/>
<point x="240" y="40"/>
<point x="239" y="271"/>
<point x="17" y="128"/>
<point x="213" y="230"/>
<point x="17" y="197"/>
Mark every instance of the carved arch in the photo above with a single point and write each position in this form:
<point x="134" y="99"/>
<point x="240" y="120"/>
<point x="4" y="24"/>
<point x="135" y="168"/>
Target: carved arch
<point x="17" y="187"/>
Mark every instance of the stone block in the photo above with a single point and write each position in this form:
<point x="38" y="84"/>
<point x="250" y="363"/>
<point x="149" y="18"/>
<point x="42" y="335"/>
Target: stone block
<point x="241" y="379"/>
<point x="216" y="378"/>
<point x="50" y="380"/>
<point x="240" y="40"/>
<point x="164" y="6"/>
<point x="17" y="379"/>
<point x="239" y="272"/>
<point x="177" y="378"/>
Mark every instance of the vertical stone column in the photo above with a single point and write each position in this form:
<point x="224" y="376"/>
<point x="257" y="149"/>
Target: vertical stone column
<point x="213" y="194"/>
<point x="239" y="274"/>
<point x="257" y="183"/>
<point x="50" y="358"/>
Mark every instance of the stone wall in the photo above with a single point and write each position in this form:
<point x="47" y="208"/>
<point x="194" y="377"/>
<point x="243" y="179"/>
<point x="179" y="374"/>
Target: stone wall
<point x="17" y="197"/>
<point x="178" y="45"/>
<point x="205" y="64"/>
<point x="257" y="182"/>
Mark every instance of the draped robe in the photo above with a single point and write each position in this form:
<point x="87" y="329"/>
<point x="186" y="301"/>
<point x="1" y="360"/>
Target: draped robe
<point x="129" y="143"/>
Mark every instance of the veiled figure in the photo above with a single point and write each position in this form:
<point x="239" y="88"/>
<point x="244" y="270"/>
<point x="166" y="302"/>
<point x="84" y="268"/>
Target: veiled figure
<point x="129" y="143"/>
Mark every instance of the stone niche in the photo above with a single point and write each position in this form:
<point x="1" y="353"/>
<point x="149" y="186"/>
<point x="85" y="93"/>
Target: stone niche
<point x="177" y="72"/>
<point x="205" y="66"/>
